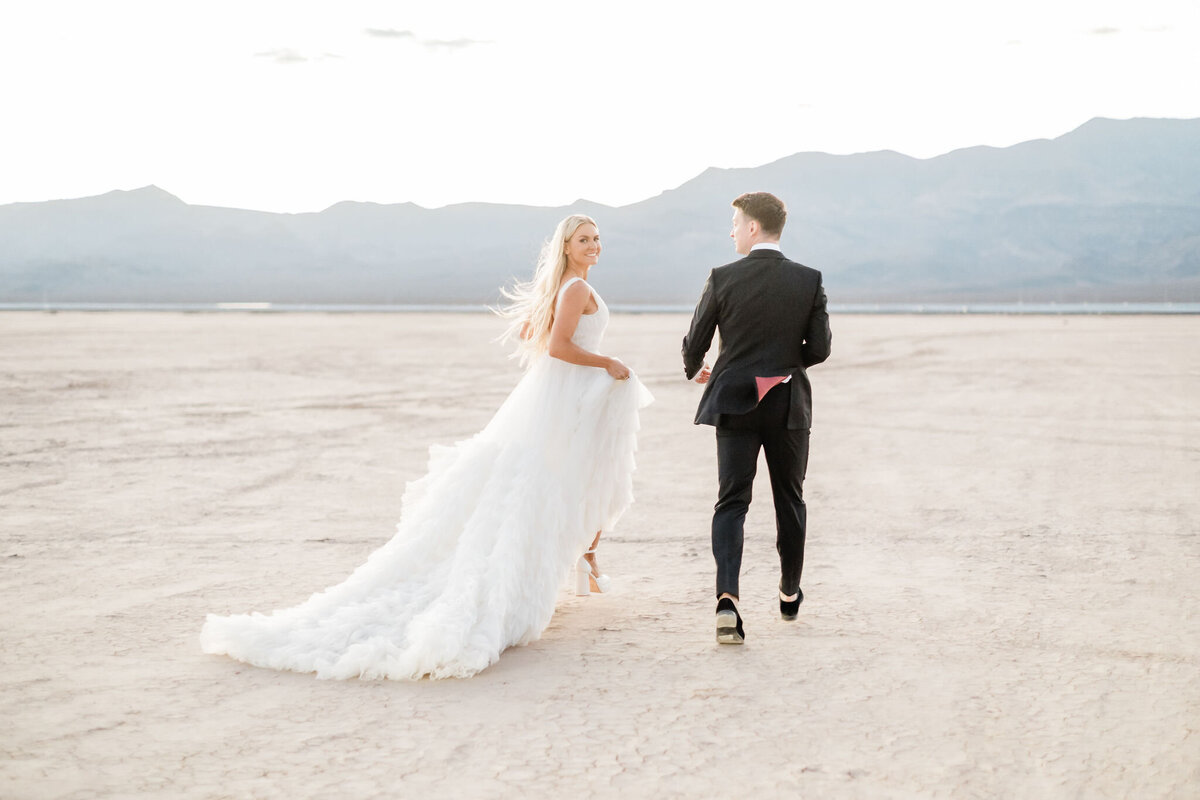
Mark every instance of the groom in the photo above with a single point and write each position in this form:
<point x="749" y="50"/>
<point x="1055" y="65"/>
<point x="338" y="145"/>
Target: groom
<point x="773" y="323"/>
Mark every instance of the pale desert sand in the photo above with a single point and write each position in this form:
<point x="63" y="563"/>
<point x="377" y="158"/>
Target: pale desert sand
<point x="1001" y="580"/>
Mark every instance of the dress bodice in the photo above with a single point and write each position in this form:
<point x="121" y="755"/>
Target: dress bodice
<point x="590" y="331"/>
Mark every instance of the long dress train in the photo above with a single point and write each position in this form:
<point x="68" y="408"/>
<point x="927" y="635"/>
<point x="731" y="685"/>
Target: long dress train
<point x="484" y="542"/>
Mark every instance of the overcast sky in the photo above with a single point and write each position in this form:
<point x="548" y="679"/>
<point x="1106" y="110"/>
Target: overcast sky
<point x="291" y="106"/>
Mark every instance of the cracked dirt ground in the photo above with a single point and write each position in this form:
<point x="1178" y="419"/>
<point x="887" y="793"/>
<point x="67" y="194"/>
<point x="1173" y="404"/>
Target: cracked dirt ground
<point x="1001" y="592"/>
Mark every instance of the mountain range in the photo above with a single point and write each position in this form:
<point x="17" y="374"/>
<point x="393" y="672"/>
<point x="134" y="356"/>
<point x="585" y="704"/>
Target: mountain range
<point x="1107" y="212"/>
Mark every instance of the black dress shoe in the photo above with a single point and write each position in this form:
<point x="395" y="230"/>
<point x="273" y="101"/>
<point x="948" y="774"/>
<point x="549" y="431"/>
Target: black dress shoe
<point x="788" y="609"/>
<point x="729" y="623"/>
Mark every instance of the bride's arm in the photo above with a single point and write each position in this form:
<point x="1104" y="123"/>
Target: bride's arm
<point x="574" y="300"/>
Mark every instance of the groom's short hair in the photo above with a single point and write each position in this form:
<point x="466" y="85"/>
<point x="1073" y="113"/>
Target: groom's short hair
<point x="766" y="208"/>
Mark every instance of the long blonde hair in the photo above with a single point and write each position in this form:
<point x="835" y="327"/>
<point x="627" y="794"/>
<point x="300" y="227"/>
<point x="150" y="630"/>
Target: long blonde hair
<point x="532" y="302"/>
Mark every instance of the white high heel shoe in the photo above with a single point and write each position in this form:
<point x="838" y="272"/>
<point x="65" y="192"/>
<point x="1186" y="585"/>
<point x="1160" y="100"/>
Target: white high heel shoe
<point x="585" y="578"/>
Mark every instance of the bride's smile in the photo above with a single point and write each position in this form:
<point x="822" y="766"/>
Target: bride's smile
<point x="583" y="249"/>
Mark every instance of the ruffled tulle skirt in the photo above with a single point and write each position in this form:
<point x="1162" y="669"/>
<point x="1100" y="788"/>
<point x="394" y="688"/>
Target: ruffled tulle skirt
<point x="484" y="542"/>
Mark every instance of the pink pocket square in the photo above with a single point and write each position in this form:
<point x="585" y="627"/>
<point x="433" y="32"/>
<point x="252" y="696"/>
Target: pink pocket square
<point x="767" y="384"/>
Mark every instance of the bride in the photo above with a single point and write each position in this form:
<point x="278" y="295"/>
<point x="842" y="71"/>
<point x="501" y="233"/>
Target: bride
<point x="488" y="535"/>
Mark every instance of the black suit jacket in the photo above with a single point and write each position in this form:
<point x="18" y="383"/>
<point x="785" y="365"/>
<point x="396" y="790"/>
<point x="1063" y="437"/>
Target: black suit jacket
<point x="772" y="318"/>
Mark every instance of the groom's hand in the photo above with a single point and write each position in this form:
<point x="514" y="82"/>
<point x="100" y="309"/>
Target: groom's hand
<point x="703" y="375"/>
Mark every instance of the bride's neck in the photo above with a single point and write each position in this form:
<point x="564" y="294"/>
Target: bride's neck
<point x="571" y="272"/>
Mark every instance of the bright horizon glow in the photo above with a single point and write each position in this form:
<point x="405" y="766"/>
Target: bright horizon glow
<point x="284" y="105"/>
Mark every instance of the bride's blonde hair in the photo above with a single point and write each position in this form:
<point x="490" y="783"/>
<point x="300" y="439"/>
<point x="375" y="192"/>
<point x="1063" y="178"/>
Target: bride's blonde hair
<point x="532" y="302"/>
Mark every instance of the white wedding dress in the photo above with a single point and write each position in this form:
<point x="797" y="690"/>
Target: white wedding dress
<point x="485" y="539"/>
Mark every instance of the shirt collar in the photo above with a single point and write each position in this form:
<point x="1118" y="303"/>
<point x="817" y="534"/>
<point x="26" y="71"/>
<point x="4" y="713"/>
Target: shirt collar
<point x="766" y="246"/>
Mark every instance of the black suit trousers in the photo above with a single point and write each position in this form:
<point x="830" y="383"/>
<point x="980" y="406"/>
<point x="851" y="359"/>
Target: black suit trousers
<point x="739" y="438"/>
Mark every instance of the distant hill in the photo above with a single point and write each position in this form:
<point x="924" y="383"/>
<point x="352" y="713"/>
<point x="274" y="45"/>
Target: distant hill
<point x="1110" y="211"/>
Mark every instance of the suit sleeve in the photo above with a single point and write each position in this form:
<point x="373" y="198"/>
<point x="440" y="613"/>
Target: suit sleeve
<point x="700" y="334"/>
<point x="817" y="339"/>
